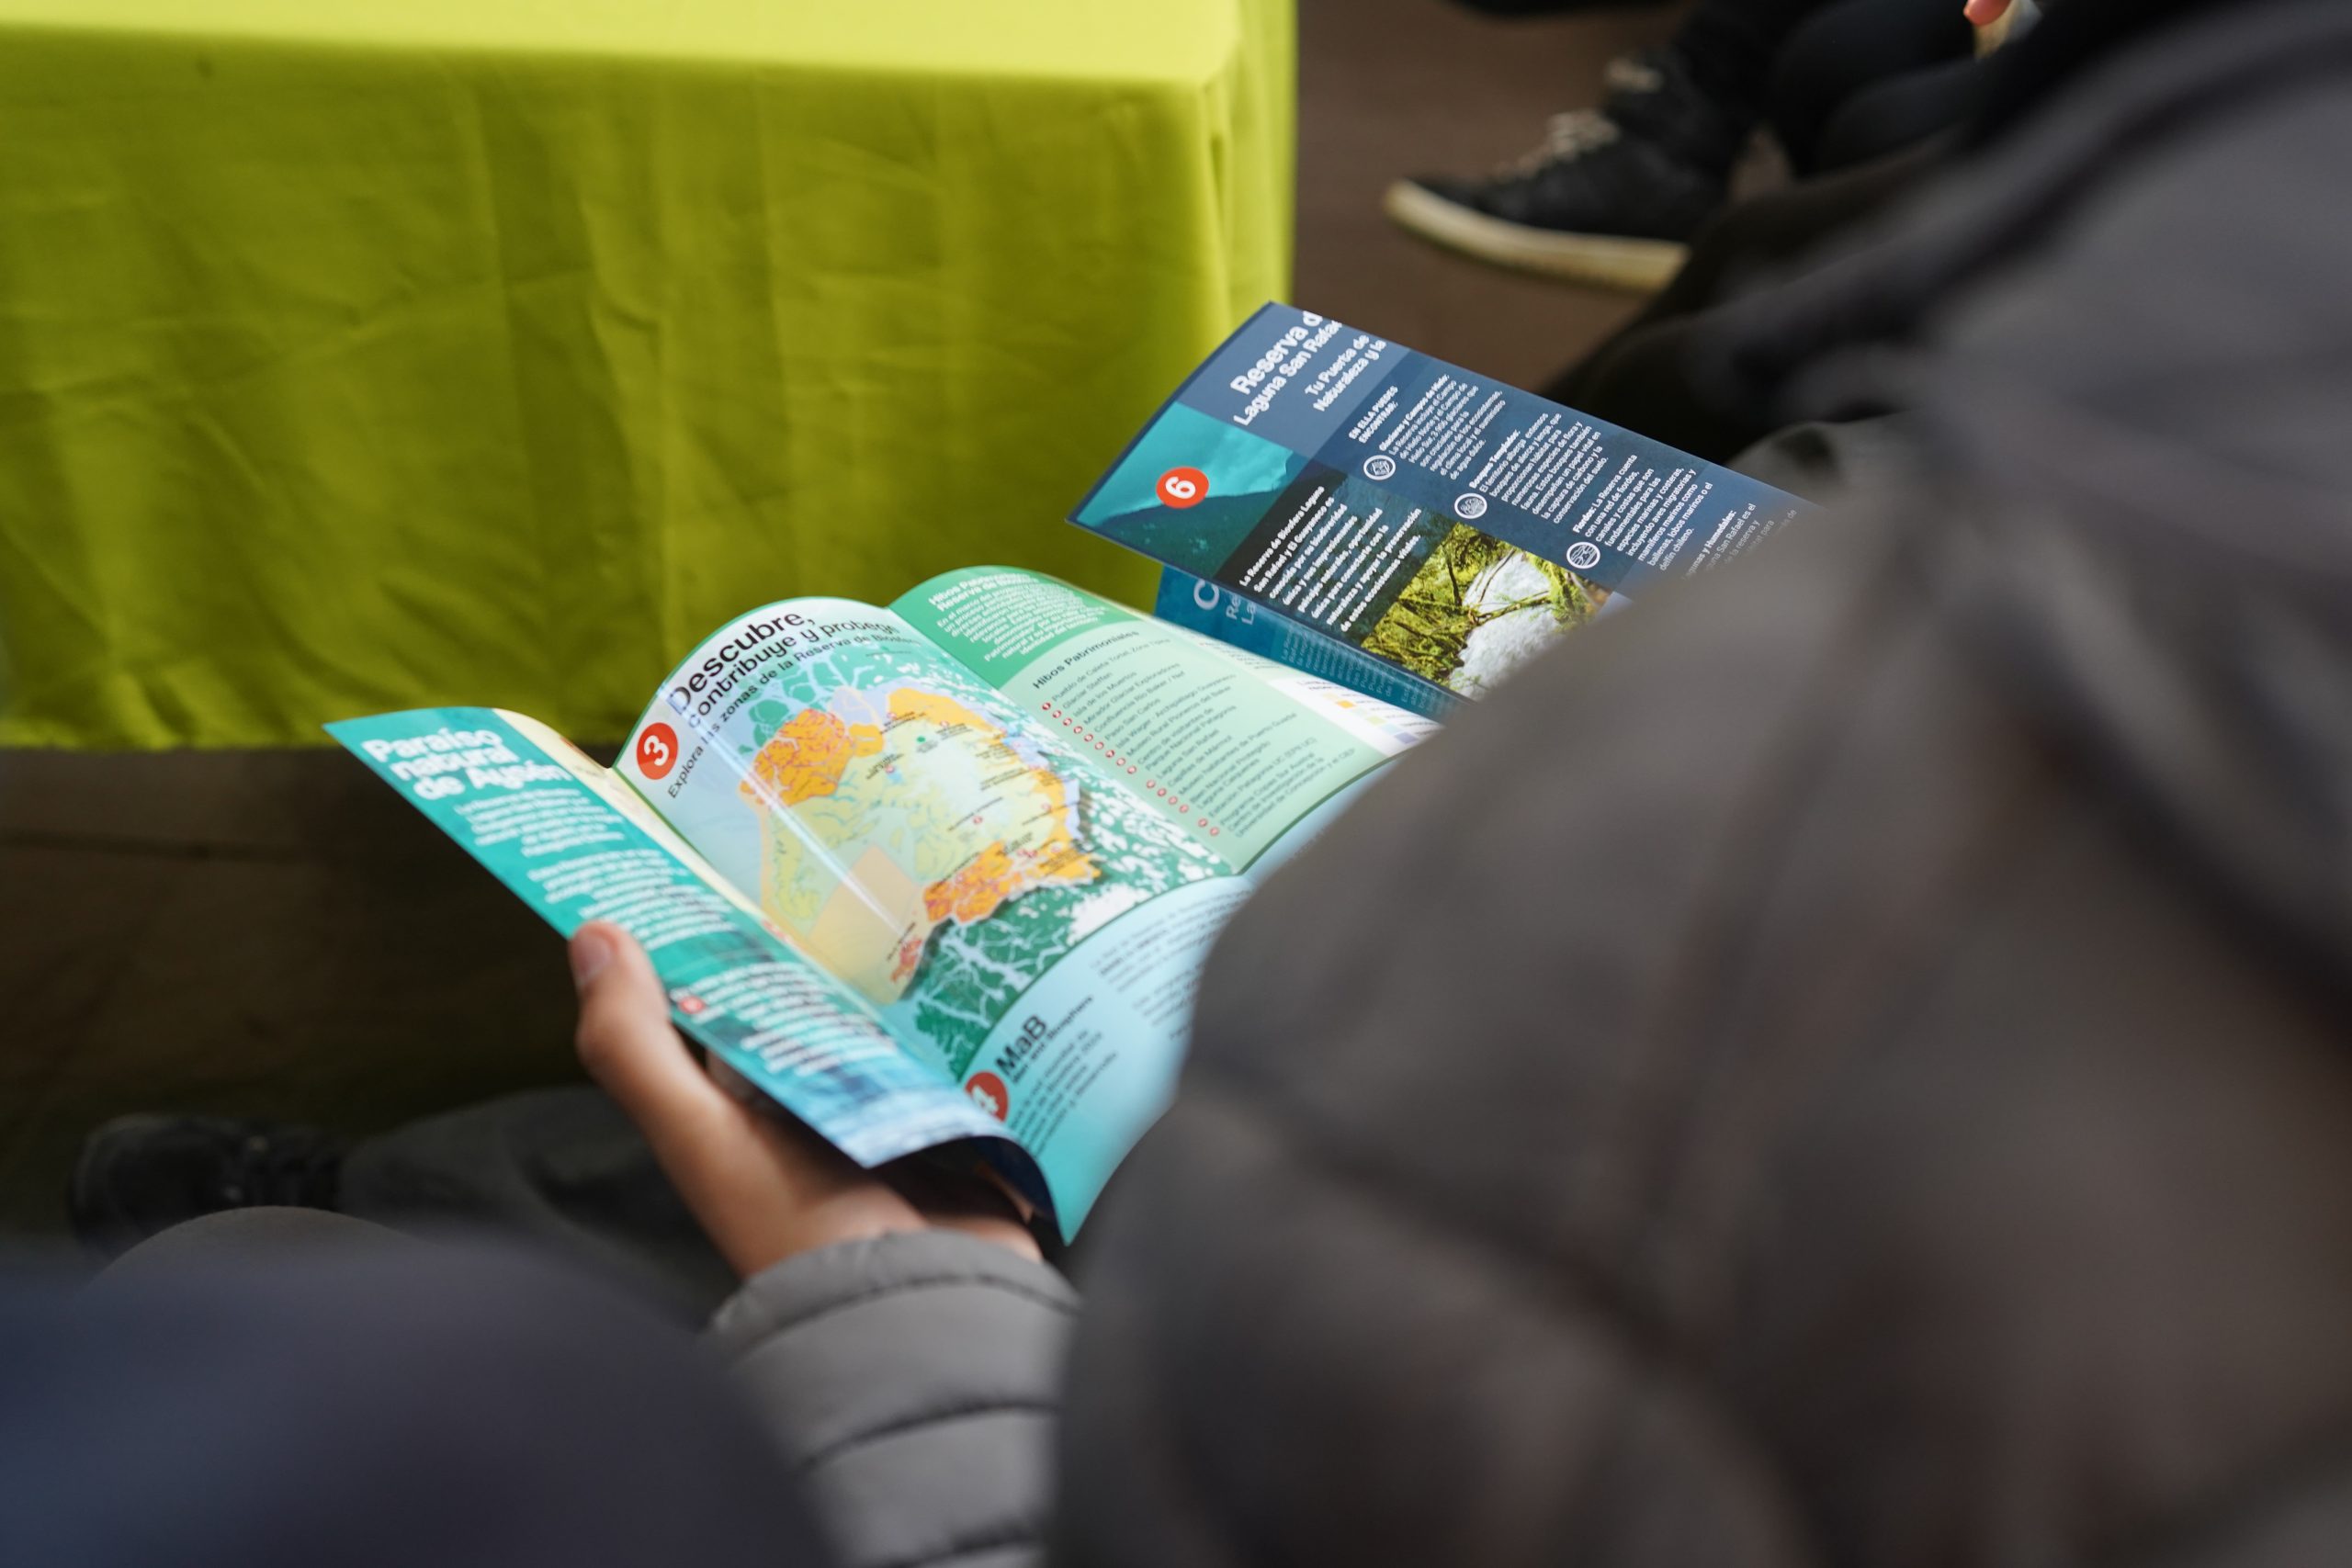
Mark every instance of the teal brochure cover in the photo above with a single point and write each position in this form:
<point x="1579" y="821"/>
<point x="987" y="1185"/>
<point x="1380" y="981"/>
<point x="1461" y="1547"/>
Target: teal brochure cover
<point x="570" y="841"/>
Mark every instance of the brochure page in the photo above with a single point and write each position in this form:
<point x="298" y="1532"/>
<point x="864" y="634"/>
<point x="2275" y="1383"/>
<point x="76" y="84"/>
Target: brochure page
<point x="985" y="887"/>
<point x="577" y="847"/>
<point x="1234" y="750"/>
<point x="1427" y="515"/>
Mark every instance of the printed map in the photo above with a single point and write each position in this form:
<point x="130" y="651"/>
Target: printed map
<point x="932" y="850"/>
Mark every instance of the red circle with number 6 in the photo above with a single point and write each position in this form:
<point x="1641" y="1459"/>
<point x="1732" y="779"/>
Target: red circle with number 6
<point x="1183" y="487"/>
<point x="657" y="750"/>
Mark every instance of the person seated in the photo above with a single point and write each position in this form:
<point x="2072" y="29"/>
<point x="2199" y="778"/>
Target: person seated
<point x="1615" y="194"/>
<point x="1845" y="1064"/>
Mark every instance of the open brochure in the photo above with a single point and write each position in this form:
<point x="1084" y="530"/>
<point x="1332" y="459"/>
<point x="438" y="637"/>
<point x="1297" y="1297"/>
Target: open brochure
<point x="946" y="870"/>
<point x="1339" y="502"/>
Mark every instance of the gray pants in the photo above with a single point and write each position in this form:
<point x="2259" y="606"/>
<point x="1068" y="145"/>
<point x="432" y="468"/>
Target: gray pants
<point x="561" y="1170"/>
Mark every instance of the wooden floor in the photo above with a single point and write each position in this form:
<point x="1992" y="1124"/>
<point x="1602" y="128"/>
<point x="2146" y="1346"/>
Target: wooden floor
<point x="276" y="935"/>
<point x="1395" y="87"/>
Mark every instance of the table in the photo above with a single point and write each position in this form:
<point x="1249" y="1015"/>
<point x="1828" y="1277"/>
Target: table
<point x="378" y="352"/>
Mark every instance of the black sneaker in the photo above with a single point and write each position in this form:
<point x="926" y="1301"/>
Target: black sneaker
<point x="1612" y="198"/>
<point x="137" y="1175"/>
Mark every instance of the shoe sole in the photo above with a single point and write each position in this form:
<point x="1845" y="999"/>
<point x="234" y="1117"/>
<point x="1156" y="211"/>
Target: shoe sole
<point x="1612" y="261"/>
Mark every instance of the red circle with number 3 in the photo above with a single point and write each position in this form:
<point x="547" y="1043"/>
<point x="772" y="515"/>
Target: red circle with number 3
<point x="1183" y="487"/>
<point x="657" y="750"/>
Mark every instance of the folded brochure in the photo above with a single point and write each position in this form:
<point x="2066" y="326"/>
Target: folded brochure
<point x="1325" y="497"/>
<point x="938" y="871"/>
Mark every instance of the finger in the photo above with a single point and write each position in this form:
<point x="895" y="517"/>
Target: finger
<point x="1984" y="13"/>
<point x="626" y="1039"/>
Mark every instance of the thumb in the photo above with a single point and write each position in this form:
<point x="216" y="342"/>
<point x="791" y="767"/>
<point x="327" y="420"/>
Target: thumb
<point x="1984" y="13"/>
<point x="761" y="1190"/>
<point x="626" y="1039"/>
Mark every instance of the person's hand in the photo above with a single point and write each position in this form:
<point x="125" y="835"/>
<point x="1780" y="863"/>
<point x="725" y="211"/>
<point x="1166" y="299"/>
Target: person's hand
<point x="763" y="1187"/>
<point x="1984" y="13"/>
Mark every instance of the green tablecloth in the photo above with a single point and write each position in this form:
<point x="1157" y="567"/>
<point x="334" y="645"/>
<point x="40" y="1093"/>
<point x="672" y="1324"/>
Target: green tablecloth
<point x="363" y="353"/>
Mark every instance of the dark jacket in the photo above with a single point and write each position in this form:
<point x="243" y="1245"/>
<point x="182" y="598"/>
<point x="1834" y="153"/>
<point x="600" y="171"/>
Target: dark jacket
<point x="1849" y="1063"/>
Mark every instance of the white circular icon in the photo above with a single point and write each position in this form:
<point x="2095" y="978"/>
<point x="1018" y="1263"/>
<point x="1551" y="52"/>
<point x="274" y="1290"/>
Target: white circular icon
<point x="1380" y="466"/>
<point x="1469" y="505"/>
<point x="1584" y="555"/>
<point x="1205" y="596"/>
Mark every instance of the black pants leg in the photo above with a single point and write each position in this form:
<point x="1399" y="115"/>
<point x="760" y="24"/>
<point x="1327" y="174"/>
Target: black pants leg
<point x="1641" y="377"/>
<point x="1851" y="50"/>
<point x="1899" y="113"/>
<point x="1729" y="46"/>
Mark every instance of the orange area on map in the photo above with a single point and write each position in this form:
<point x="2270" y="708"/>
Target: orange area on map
<point x="993" y="875"/>
<point x="809" y="758"/>
<point x="983" y="883"/>
<point x="806" y="758"/>
<point x="909" y="703"/>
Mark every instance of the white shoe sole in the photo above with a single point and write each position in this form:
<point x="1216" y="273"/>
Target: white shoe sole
<point x="1638" y="266"/>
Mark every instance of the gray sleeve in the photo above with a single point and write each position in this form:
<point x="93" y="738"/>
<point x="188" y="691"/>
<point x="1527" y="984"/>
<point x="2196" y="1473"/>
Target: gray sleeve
<point x="914" y="1383"/>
